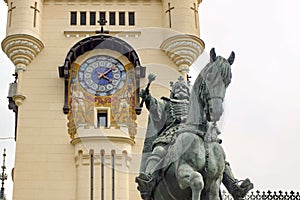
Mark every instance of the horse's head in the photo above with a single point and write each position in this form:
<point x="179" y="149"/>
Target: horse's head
<point x="216" y="76"/>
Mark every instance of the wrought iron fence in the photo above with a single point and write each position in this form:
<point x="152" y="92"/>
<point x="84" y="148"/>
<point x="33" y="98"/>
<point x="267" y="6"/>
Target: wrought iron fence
<point x="258" y="195"/>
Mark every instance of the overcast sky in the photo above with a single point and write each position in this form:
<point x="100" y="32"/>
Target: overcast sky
<point x="261" y="124"/>
<point x="6" y="116"/>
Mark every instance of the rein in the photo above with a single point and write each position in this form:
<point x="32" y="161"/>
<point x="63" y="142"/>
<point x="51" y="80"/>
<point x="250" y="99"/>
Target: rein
<point x="217" y="97"/>
<point x="210" y="136"/>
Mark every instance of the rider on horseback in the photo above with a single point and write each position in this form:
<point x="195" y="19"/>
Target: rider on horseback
<point x="166" y="117"/>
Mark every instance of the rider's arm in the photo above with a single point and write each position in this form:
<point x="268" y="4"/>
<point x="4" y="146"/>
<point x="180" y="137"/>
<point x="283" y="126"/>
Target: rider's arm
<point x="155" y="107"/>
<point x="151" y="102"/>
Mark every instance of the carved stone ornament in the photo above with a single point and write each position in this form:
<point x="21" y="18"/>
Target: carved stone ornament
<point x="22" y="48"/>
<point x="183" y="50"/>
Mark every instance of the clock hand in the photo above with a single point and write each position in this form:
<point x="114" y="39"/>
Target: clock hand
<point x="100" y="75"/>
<point x="107" y="71"/>
<point x="110" y="80"/>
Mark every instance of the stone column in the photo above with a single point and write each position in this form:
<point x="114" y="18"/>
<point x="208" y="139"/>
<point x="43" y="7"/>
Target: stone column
<point x="19" y="97"/>
<point x="23" y="42"/>
<point x="25" y="17"/>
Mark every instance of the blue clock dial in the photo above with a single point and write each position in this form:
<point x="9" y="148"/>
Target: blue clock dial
<point x="102" y="75"/>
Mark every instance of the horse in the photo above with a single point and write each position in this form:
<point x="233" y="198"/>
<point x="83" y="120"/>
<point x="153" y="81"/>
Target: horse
<point x="194" y="164"/>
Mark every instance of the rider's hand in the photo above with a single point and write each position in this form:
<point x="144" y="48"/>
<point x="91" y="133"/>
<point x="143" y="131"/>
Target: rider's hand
<point x="144" y="94"/>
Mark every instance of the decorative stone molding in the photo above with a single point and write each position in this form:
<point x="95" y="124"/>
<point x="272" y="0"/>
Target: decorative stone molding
<point x="21" y="51"/>
<point x="98" y="141"/>
<point x="183" y="50"/>
<point x="20" y="67"/>
<point x="87" y="33"/>
<point x="103" y="138"/>
<point x="18" y="99"/>
<point x="24" y="61"/>
<point x="22" y="48"/>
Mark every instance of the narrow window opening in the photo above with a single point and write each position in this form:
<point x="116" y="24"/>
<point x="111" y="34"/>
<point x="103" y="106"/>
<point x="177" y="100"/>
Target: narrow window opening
<point x="102" y="118"/>
<point x="131" y="18"/>
<point x="121" y="18"/>
<point x="92" y="173"/>
<point x="113" y="175"/>
<point x="73" y="18"/>
<point x="102" y="15"/>
<point x="82" y="18"/>
<point x="102" y="175"/>
<point x="92" y="18"/>
<point x="112" y="18"/>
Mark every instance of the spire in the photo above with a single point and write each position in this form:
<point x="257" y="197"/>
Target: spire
<point x="3" y="177"/>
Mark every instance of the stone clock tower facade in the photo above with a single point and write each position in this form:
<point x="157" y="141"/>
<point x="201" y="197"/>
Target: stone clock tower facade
<point x="80" y="126"/>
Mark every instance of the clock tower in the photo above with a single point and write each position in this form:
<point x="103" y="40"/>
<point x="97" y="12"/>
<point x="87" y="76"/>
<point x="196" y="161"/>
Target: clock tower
<point x="80" y="125"/>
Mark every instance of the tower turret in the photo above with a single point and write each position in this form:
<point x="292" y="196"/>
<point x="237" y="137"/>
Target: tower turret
<point x="23" y="41"/>
<point x="185" y="47"/>
<point x="182" y="16"/>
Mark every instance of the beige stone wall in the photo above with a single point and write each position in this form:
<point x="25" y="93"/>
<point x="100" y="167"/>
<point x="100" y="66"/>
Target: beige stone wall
<point x="47" y="165"/>
<point x="147" y="13"/>
<point x="182" y="16"/>
<point x="22" y="18"/>
<point x="44" y="154"/>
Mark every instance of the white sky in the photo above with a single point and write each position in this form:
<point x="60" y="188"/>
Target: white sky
<point x="261" y="123"/>
<point x="6" y="116"/>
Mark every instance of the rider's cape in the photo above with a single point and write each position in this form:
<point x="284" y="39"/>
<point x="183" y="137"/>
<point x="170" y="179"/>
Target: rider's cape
<point x="156" y="122"/>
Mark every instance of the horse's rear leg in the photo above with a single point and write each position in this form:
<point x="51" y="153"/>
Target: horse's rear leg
<point x="213" y="190"/>
<point x="187" y="177"/>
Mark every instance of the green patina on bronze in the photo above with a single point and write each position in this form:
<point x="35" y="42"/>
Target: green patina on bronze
<point x="182" y="155"/>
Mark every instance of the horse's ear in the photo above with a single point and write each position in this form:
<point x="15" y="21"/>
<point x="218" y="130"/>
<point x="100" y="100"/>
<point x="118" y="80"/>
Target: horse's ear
<point x="231" y="58"/>
<point x="212" y="55"/>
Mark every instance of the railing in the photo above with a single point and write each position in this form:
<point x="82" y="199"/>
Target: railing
<point x="258" y="195"/>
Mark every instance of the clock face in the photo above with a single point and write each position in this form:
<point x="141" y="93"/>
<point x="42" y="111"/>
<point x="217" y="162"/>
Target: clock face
<point x="102" y="75"/>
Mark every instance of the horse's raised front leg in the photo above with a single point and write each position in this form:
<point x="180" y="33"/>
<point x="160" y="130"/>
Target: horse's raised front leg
<point x="188" y="177"/>
<point x="196" y="184"/>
